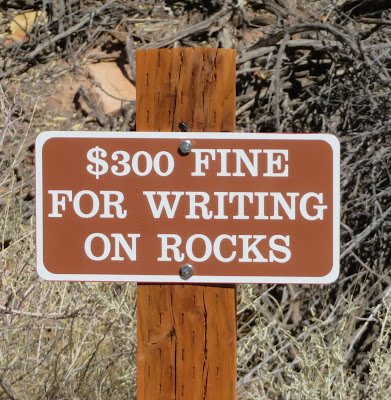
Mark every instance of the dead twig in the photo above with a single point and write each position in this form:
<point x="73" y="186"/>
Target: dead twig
<point x="364" y="234"/>
<point x="51" y="41"/>
<point x="100" y="115"/>
<point x="276" y="82"/>
<point x="7" y="389"/>
<point x="56" y="316"/>
<point x="190" y="30"/>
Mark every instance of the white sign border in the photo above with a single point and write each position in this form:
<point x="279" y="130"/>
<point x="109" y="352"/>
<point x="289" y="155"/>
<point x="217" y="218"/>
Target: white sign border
<point x="47" y="275"/>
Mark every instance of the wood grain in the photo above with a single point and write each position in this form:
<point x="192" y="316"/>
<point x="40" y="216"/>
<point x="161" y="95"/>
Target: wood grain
<point x="194" y="85"/>
<point x="186" y="334"/>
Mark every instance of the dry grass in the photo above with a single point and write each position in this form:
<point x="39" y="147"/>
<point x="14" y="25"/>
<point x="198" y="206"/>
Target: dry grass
<point x="78" y="341"/>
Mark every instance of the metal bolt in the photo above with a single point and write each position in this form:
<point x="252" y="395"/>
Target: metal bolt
<point x="187" y="271"/>
<point x="184" y="127"/>
<point x="185" y="146"/>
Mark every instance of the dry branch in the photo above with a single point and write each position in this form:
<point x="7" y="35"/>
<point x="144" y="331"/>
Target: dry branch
<point x="190" y="30"/>
<point x="330" y="74"/>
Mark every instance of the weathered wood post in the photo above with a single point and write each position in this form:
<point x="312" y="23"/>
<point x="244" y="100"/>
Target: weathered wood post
<point x="186" y="334"/>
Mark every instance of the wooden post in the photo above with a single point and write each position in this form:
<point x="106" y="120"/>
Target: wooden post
<point x="186" y="334"/>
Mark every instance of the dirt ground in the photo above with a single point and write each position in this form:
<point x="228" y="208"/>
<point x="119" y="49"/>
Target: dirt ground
<point x="302" y="66"/>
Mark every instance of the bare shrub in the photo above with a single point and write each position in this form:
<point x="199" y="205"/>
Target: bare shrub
<point x="316" y="66"/>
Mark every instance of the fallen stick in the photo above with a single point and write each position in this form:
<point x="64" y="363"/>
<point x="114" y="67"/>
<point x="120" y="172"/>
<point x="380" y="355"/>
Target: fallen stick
<point x="190" y="30"/>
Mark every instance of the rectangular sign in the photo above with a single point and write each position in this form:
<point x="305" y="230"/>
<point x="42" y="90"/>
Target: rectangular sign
<point x="235" y="207"/>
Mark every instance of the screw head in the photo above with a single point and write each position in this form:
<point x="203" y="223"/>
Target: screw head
<point x="187" y="271"/>
<point x="185" y="146"/>
<point x="184" y="127"/>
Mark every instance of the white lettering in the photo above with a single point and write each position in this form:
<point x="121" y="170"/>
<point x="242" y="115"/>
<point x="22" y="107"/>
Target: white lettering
<point x="199" y="248"/>
<point x="178" y="256"/>
<point x="206" y="214"/>
<point x="223" y="162"/>
<point x="217" y="247"/>
<point x="261" y="205"/>
<point x="282" y="249"/>
<point x="107" y="203"/>
<point x="208" y="248"/>
<point x="199" y="161"/>
<point x="247" y="248"/>
<point x="123" y="162"/>
<point x="119" y="241"/>
<point x="273" y="205"/>
<point x="281" y="155"/>
<point x="279" y="199"/>
<point x="319" y="208"/>
<point x="106" y="246"/>
<point x="56" y="202"/>
<point x="170" y="163"/>
<point x="148" y="161"/>
<point x="164" y="203"/>
<point x="220" y="205"/>
<point x="241" y="156"/>
<point x="95" y="204"/>
<point x="241" y="196"/>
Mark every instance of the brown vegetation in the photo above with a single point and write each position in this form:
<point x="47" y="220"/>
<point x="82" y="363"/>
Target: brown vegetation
<point x="316" y="66"/>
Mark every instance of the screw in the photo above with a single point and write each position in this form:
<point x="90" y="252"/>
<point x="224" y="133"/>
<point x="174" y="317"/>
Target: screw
<point x="184" y="127"/>
<point x="186" y="271"/>
<point x="185" y="146"/>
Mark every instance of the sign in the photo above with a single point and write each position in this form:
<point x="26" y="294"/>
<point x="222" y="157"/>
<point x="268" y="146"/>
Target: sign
<point x="187" y="207"/>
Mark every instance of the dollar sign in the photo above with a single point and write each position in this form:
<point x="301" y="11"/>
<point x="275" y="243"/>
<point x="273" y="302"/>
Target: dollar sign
<point x="99" y="166"/>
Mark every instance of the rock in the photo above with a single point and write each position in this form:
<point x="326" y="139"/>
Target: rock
<point x="111" y="86"/>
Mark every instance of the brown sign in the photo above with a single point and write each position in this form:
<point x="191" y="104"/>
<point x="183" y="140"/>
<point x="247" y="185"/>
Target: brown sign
<point x="224" y="207"/>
